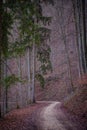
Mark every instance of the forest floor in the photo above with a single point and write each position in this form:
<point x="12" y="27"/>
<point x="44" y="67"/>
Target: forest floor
<point x="42" y="116"/>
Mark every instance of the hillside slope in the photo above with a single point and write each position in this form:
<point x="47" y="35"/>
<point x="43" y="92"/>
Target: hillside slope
<point x="77" y="102"/>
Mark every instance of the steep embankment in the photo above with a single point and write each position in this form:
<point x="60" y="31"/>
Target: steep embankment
<point x="77" y="102"/>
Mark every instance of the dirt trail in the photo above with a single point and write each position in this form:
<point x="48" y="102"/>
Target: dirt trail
<point x="50" y="121"/>
<point x="54" y="118"/>
<point x="41" y="116"/>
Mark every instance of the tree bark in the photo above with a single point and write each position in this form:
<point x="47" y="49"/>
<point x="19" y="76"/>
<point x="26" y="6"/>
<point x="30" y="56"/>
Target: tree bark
<point x="83" y="8"/>
<point x="33" y="73"/>
<point x="82" y="28"/>
<point x="81" y="33"/>
<point x="19" y="89"/>
<point x="61" y="24"/>
<point x="29" y="76"/>
<point x="6" y="90"/>
<point x="77" y="39"/>
<point x="1" y="2"/>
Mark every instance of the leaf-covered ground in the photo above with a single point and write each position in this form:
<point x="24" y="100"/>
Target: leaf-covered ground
<point x="21" y="119"/>
<point x="55" y="117"/>
<point x="42" y="116"/>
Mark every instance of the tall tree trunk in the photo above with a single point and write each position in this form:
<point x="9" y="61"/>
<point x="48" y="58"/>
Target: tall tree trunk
<point x="29" y="76"/>
<point x="1" y="1"/>
<point x="19" y="89"/>
<point x="6" y="90"/>
<point x="82" y="31"/>
<point x="83" y="11"/>
<point x="68" y="59"/>
<point x="79" y="9"/>
<point x="65" y="44"/>
<point x="77" y="39"/>
<point x="33" y="73"/>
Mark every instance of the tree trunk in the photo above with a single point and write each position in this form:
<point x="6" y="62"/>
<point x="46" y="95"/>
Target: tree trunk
<point x="83" y="11"/>
<point x="6" y="90"/>
<point x="61" y="24"/>
<point x="82" y="31"/>
<point x="79" y="9"/>
<point x="77" y="35"/>
<point x="33" y="73"/>
<point x="29" y="76"/>
<point x="1" y="1"/>
<point x="19" y="89"/>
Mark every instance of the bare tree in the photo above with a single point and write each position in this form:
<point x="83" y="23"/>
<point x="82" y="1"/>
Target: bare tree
<point x="63" y="36"/>
<point x="79" y="13"/>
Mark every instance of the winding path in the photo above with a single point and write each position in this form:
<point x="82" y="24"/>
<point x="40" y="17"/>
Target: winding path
<point x="41" y="116"/>
<point x="54" y="118"/>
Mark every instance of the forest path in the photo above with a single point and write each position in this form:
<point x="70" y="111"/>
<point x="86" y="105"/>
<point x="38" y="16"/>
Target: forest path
<point x="43" y="115"/>
<point x="52" y="117"/>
